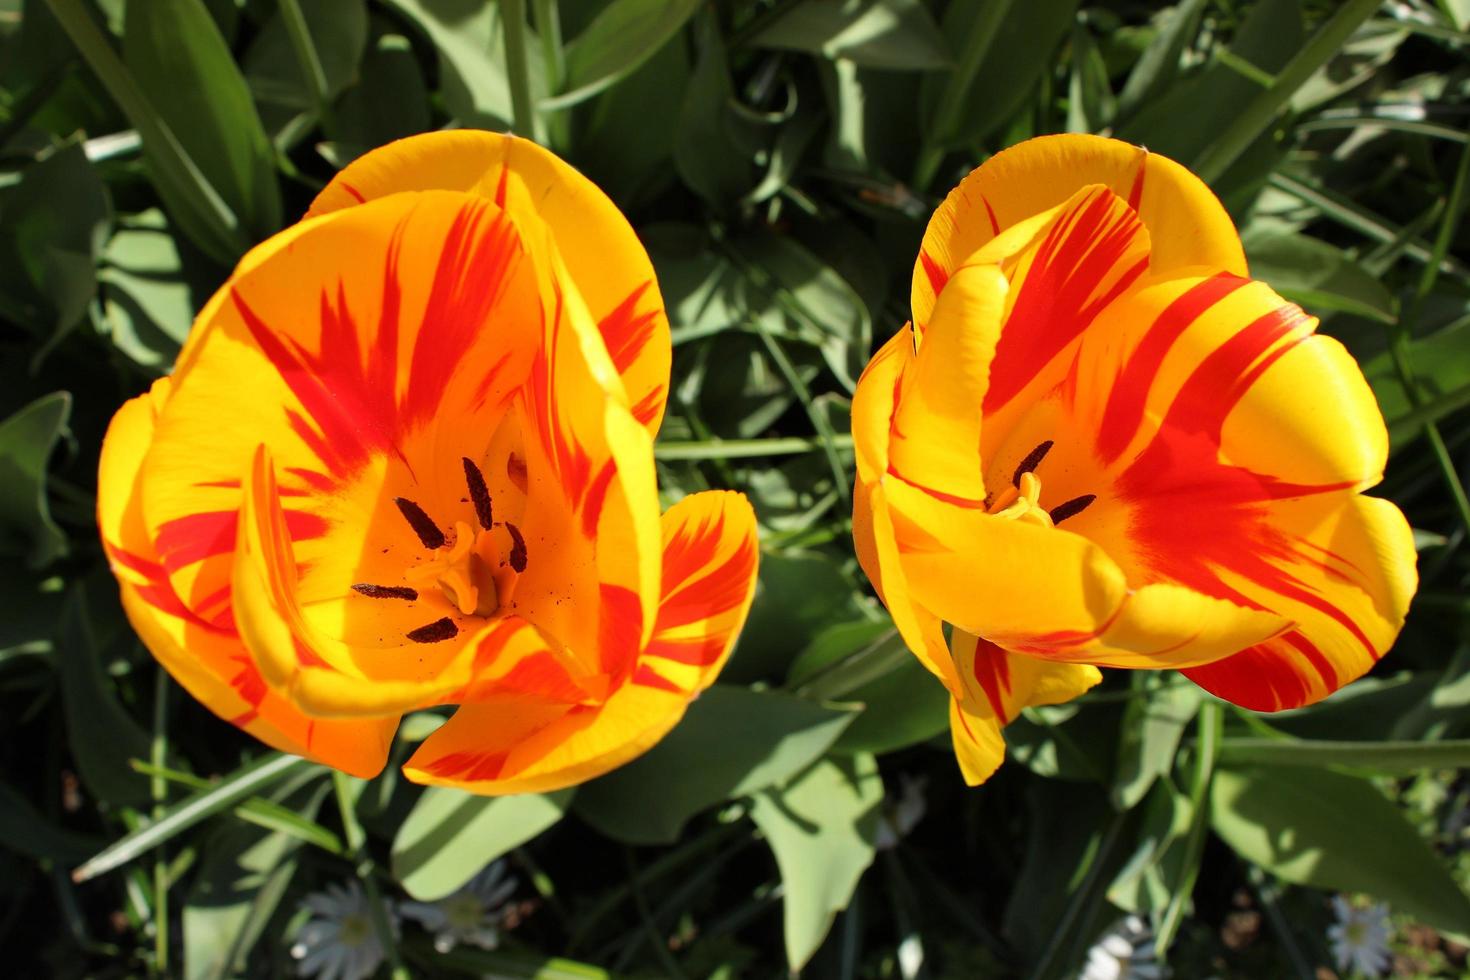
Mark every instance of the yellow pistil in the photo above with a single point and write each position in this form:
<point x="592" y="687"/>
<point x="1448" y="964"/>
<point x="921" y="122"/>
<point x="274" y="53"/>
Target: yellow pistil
<point x="463" y="569"/>
<point x="1022" y="502"/>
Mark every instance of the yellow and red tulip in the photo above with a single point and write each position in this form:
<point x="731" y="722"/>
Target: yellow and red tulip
<point x="1099" y="443"/>
<point x="405" y="460"/>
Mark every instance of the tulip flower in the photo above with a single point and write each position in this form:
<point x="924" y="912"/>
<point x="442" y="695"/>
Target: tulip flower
<point x="1100" y="444"/>
<point x="405" y="460"/>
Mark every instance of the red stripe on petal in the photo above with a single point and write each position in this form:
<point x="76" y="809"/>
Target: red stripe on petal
<point x="626" y="331"/>
<point x="938" y="277"/>
<point x="993" y="673"/>
<point x="194" y="537"/>
<point x="646" y="676"/>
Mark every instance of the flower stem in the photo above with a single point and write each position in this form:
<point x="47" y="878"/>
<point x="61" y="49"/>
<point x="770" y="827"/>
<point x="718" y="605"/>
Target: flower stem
<point x="158" y="792"/>
<point x="517" y="70"/>
<point x="356" y="840"/>
<point x="1211" y="723"/>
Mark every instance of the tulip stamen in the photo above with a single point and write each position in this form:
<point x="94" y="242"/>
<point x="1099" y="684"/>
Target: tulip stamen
<point x="1071" y="508"/>
<point x="517" y="556"/>
<point x="1033" y="459"/>
<point x="385" y="591"/>
<point x="435" y="632"/>
<point x="479" y="493"/>
<point x="423" y="525"/>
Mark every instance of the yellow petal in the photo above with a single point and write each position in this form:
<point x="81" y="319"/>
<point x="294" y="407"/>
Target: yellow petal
<point x="936" y="429"/>
<point x="875" y="401"/>
<point x="1343" y="570"/>
<point x="998" y="685"/>
<point x="609" y="265"/>
<point x="710" y="554"/>
<point x="1186" y="222"/>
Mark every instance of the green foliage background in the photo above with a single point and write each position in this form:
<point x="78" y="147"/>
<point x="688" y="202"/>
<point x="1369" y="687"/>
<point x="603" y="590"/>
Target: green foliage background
<point x="779" y="158"/>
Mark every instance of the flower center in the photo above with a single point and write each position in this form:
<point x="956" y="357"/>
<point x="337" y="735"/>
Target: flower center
<point x="1021" y="501"/>
<point x="476" y="569"/>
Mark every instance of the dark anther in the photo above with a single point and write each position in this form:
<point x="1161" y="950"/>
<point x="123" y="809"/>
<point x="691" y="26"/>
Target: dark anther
<point x="517" y="548"/>
<point x="1071" y="508"/>
<point x="436" y="632"/>
<point x="479" y="493"/>
<point x="385" y="591"/>
<point x="421" y="523"/>
<point x="1033" y="459"/>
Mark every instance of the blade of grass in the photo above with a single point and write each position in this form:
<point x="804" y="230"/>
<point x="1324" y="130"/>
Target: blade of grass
<point x="744" y="448"/>
<point x="243" y="782"/>
<point x="650" y="927"/>
<point x="1256" y="115"/>
<point x="158" y="791"/>
<point x="828" y="437"/>
<point x="366" y="872"/>
<point x="307" y="57"/>
<point x="513" y="15"/>
<point x="1210" y="722"/>
<point x="176" y="166"/>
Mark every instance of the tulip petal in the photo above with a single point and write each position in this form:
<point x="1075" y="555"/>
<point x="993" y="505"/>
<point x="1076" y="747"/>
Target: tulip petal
<point x="1011" y="581"/>
<point x="517" y="744"/>
<point x="1344" y="572"/>
<point x="609" y="265"/>
<point x="1185" y="220"/>
<point x="349" y="349"/>
<point x="998" y="684"/>
<point x="710" y="553"/>
<point x="206" y="658"/>
<point x="936" y="429"/>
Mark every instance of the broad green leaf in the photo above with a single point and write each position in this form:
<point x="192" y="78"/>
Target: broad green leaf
<point x="1024" y="46"/>
<point x="182" y="64"/>
<point x="624" y="35"/>
<point x="1152" y="727"/>
<point x="626" y="146"/>
<point x="871" y="33"/>
<point x="817" y="299"/>
<point x="821" y="827"/>
<point x="1378" y="756"/>
<point x="796" y="597"/>
<point x="339" y="32"/>
<point x="53" y="223"/>
<point x="732" y="742"/>
<point x="1359" y="60"/>
<point x="148" y="301"/>
<point x="32" y="609"/>
<point x="470" y="42"/>
<point x="1066" y="741"/>
<point x="906" y="706"/>
<point x="1184" y="120"/>
<point x="1441" y="368"/>
<point x="1368" y="709"/>
<point x="248" y="780"/>
<point x="1317" y="276"/>
<point x="1316" y="827"/>
<point x="1090" y="101"/>
<point x="1157" y="68"/>
<point x="26" y="441"/>
<point x="450" y="835"/>
<point x="390" y="100"/>
<point x="1142" y="885"/>
<point x="103" y="736"/>
<point x="705" y="153"/>
<point x="243" y="875"/>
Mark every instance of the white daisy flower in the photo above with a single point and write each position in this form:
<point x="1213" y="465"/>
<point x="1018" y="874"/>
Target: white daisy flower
<point x="1360" y="937"/>
<point x="472" y="915"/>
<point x="1125" y="952"/>
<point x="899" y="818"/>
<point x="339" y="941"/>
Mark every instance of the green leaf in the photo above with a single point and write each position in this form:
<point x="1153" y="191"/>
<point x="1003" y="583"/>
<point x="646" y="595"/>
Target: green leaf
<point x="103" y="736"/>
<point x="248" y="780"/>
<point x="1378" y="756"/>
<point x="1317" y="276"/>
<point x="26" y="441"/>
<point x="339" y="33"/>
<point x="1158" y="67"/>
<point x="796" y="597"/>
<point x="53" y="223"/>
<point x="450" y="835"/>
<point x="626" y="146"/>
<point x="821" y="827"/>
<point x="242" y="878"/>
<point x="624" y="35"/>
<point x="1066" y="741"/>
<point x="470" y="42"/>
<point x="1023" y="47"/>
<point x="182" y="64"/>
<point x="871" y="33"/>
<point x="148" y="299"/>
<point x="732" y="742"/>
<point x="389" y="102"/>
<point x="1321" y="828"/>
<point x="1152" y="727"/>
<point x="1143" y="883"/>
<point x="705" y="153"/>
<point x="1090" y="102"/>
